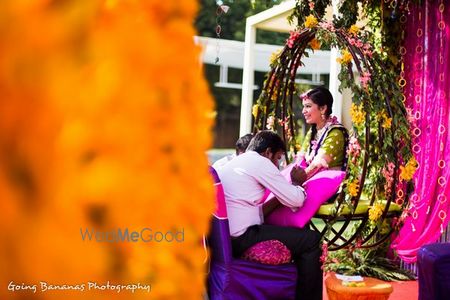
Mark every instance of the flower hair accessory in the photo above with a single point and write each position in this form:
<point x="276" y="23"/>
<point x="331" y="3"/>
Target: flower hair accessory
<point x="305" y="94"/>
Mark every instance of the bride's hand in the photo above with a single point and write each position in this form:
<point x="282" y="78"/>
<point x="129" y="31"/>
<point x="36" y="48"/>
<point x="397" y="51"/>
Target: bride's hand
<point x="318" y="164"/>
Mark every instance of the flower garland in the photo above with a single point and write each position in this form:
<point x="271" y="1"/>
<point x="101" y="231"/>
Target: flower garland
<point x="96" y="132"/>
<point x="332" y="120"/>
<point x="384" y="18"/>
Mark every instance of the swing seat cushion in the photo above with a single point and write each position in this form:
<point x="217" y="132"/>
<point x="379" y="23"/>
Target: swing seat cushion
<point x="361" y="209"/>
<point x="319" y="189"/>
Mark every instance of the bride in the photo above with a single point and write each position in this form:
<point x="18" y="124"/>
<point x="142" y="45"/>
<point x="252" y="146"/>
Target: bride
<point x="325" y="144"/>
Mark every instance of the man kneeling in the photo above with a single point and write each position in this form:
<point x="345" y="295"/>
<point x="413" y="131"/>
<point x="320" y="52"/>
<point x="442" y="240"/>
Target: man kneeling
<point x="244" y="180"/>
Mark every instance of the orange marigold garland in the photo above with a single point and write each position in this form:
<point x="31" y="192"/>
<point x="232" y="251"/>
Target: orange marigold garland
<point x="104" y="125"/>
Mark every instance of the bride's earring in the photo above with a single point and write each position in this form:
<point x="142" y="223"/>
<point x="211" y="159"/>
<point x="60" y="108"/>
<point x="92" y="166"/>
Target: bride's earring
<point x="323" y="116"/>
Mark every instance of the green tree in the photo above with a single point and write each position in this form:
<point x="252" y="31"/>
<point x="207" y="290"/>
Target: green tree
<point x="233" y="22"/>
<point x="228" y="101"/>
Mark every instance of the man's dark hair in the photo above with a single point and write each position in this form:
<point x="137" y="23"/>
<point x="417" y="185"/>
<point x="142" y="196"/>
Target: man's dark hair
<point x="266" y="139"/>
<point x="242" y="143"/>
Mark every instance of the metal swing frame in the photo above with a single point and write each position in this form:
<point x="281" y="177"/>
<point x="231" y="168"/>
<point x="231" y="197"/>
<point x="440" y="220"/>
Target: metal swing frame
<point x="280" y="85"/>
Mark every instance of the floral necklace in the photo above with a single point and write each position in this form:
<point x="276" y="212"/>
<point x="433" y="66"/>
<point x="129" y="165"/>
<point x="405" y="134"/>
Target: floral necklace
<point x="320" y="135"/>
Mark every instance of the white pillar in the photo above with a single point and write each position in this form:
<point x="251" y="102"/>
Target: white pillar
<point x="335" y="68"/>
<point x="248" y="79"/>
<point x="223" y="75"/>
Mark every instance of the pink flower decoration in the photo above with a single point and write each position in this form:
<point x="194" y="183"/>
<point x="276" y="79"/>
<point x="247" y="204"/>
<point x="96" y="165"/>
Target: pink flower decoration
<point x="293" y="72"/>
<point x="367" y="47"/>
<point x="304" y="95"/>
<point x="388" y="174"/>
<point x="354" y="149"/>
<point x="352" y="41"/>
<point x="311" y="5"/>
<point x="333" y="120"/>
<point x="324" y="256"/>
<point x="410" y="116"/>
<point x="327" y="25"/>
<point x="365" y="78"/>
<point x="292" y="38"/>
<point x="368" y="53"/>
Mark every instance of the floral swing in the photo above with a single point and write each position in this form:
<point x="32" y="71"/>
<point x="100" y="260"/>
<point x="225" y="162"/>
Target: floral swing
<point x="373" y="196"/>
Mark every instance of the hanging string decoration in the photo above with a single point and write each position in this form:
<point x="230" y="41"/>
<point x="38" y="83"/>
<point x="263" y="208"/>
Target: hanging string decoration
<point x="221" y="9"/>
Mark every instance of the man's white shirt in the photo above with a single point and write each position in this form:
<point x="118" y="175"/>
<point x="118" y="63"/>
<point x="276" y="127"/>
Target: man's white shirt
<point x="245" y="179"/>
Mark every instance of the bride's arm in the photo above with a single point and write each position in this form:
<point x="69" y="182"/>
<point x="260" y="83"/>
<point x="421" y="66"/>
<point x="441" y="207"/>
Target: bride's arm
<point x="330" y="150"/>
<point x="320" y="162"/>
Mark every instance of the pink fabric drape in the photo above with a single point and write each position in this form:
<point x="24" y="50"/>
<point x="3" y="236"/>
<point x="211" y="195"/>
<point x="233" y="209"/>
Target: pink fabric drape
<point x="427" y="90"/>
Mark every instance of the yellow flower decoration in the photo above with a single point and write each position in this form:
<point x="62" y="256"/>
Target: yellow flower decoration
<point x="353" y="188"/>
<point x="315" y="44"/>
<point x="353" y="284"/>
<point x="255" y="109"/>
<point x="345" y="58"/>
<point x="310" y="21"/>
<point x="94" y="161"/>
<point x="275" y="91"/>
<point x="387" y="122"/>
<point x="354" y="29"/>
<point x="275" y="56"/>
<point x="358" y="114"/>
<point x="375" y="212"/>
<point x="407" y="172"/>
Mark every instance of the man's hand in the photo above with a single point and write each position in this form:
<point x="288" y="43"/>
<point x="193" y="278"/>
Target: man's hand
<point x="298" y="175"/>
<point x="270" y="205"/>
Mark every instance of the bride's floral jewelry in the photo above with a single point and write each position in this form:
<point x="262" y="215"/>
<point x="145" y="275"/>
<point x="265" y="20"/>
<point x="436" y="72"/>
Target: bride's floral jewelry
<point x="332" y="120"/>
<point x="305" y="95"/>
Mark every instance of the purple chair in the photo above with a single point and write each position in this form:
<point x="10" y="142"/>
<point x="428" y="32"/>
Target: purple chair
<point x="434" y="271"/>
<point x="234" y="278"/>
